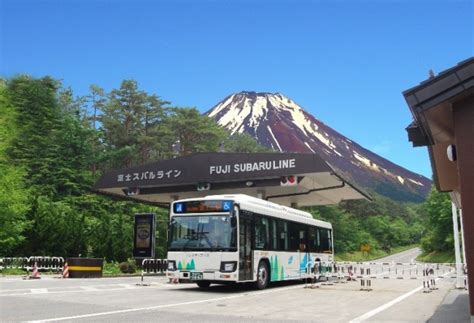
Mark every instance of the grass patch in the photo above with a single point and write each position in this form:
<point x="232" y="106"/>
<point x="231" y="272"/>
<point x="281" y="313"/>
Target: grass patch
<point x="115" y="269"/>
<point x="372" y="255"/>
<point x="361" y="256"/>
<point x="13" y="271"/>
<point x="111" y="269"/>
<point x="22" y="272"/>
<point x="437" y="257"/>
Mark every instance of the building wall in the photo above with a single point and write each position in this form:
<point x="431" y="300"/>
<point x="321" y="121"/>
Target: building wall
<point x="463" y="112"/>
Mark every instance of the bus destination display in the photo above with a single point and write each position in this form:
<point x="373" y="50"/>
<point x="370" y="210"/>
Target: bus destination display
<point x="202" y="206"/>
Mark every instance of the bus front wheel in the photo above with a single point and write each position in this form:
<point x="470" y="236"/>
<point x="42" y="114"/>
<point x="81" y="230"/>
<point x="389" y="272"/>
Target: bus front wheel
<point x="263" y="275"/>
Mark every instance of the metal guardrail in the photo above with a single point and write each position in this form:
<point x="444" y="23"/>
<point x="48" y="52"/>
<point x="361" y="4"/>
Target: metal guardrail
<point x="429" y="273"/>
<point x="43" y="263"/>
<point x="154" y="266"/>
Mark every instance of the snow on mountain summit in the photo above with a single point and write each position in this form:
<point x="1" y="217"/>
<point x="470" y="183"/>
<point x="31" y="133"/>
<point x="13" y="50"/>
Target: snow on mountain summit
<point x="253" y="107"/>
<point x="277" y="122"/>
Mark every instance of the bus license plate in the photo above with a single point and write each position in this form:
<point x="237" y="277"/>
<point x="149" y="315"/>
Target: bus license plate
<point x="196" y="276"/>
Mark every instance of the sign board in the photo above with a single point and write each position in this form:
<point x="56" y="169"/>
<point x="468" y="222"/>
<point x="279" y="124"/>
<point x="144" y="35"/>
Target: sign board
<point x="144" y="236"/>
<point x="203" y="206"/>
<point x="365" y="247"/>
<point x="283" y="178"/>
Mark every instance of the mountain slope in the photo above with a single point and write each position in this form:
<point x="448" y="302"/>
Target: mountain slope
<point x="277" y="122"/>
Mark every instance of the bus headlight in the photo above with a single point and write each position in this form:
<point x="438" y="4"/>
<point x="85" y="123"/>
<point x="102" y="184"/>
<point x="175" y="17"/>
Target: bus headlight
<point x="228" y="266"/>
<point x="171" y="265"/>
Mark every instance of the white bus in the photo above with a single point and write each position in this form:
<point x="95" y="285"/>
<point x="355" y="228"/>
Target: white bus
<point x="238" y="238"/>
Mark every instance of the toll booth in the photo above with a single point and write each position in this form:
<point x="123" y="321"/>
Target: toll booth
<point x="290" y="179"/>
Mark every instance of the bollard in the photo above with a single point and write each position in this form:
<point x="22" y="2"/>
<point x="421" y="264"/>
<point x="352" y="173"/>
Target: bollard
<point x="368" y="281"/>
<point x="426" y="282"/>
<point x="144" y="266"/>
<point x="325" y="271"/>
<point x="432" y="279"/>
<point x="362" y="279"/>
<point x="159" y="268"/>
<point x="307" y="275"/>
<point x="317" y="272"/>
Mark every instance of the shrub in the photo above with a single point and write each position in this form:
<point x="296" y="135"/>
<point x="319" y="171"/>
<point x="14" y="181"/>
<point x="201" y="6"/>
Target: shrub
<point x="128" y="267"/>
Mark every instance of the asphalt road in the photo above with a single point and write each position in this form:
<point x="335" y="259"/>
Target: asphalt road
<point x="121" y="299"/>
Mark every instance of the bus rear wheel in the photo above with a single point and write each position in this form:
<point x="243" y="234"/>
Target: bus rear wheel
<point x="263" y="275"/>
<point x="204" y="284"/>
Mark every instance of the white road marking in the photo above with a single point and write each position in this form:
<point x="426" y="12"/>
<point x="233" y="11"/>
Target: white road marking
<point x="39" y="290"/>
<point x="127" y="286"/>
<point x="89" y="288"/>
<point x="165" y="305"/>
<point x="389" y="304"/>
<point x="385" y="306"/>
<point x="82" y="290"/>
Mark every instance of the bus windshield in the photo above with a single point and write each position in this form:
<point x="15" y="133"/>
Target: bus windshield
<point x="202" y="233"/>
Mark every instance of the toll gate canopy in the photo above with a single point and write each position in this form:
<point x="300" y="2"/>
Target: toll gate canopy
<point x="285" y="178"/>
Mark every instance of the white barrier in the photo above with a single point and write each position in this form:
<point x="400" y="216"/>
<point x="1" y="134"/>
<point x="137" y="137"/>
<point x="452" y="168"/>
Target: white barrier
<point x="153" y="266"/>
<point x="44" y="263"/>
<point x="368" y="271"/>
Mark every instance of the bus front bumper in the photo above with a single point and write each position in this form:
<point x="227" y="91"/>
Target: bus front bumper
<point x="195" y="276"/>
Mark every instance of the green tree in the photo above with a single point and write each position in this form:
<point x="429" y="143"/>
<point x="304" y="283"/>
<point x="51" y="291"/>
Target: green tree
<point x="439" y="234"/>
<point x="153" y="132"/>
<point x="243" y="143"/>
<point x="346" y="227"/>
<point x="96" y="100"/>
<point x="37" y="119"/>
<point x="14" y="195"/>
<point x="193" y="132"/>
<point x="121" y="122"/>
<point x="132" y="125"/>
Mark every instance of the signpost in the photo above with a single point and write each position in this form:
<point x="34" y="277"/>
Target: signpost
<point x="144" y="236"/>
<point x="365" y="247"/>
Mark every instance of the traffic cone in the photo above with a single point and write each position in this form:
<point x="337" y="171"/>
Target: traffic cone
<point x="65" y="271"/>
<point x="35" y="274"/>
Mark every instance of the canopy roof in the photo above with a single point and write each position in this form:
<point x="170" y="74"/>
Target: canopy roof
<point x="256" y="175"/>
<point x="431" y="104"/>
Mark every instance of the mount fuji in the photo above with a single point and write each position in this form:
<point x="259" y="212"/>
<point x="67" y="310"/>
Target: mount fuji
<point x="277" y="122"/>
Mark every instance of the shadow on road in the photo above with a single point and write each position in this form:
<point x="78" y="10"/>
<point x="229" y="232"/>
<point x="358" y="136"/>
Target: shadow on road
<point x="237" y="288"/>
<point x="455" y="308"/>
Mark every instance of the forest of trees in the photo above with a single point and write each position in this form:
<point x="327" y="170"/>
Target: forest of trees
<point x="55" y="145"/>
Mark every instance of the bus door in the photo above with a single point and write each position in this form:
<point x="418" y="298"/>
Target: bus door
<point x="245" y="247"/>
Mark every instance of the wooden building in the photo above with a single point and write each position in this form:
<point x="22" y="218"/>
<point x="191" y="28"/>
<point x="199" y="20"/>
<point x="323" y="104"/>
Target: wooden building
<point x="443" y="113"/>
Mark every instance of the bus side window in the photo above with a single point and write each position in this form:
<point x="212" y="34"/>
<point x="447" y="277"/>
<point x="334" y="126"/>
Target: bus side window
<point x="294" y="236"/>
<point x="330" y="240"/>
<point x="262" y="232"/>
<point x="283" y="235"/>
<point x="325" y="236"/>
<point x="318" y="240"/>
<point x="273" y="234"/>
<point x="311" y="239"/>
<point x="302" y="240"/>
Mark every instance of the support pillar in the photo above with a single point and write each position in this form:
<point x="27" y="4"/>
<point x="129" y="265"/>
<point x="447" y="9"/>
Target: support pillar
<point x="463" y="245"/>
<point x="457" y="248"/>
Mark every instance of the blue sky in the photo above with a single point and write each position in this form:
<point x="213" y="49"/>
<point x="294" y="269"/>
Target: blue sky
<point x="346" y="62"/>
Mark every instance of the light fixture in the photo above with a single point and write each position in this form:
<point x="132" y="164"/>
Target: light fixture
<point x="131" y="191"/>
<point x="451" y="152"/>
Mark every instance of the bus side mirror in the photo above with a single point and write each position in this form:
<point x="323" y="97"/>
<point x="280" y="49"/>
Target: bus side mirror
<point x="233" y="220"/>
